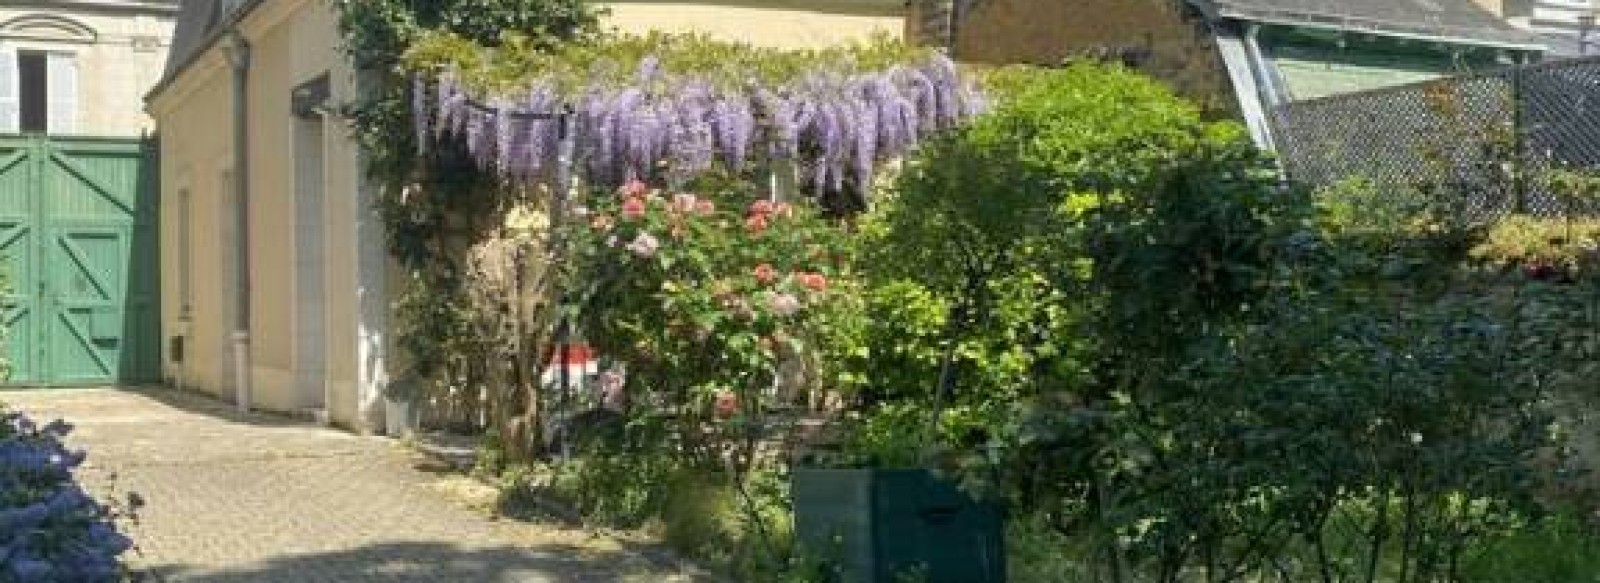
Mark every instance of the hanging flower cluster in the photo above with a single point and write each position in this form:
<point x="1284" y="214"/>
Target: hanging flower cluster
<point x="836" y="124"/>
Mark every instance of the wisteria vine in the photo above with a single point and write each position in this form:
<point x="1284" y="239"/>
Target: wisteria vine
<point x="837" y="127"/>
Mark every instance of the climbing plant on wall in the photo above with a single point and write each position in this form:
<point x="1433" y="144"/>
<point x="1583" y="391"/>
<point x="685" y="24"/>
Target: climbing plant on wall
<point x="457" y="129"/>
<point x="668" y="109"/>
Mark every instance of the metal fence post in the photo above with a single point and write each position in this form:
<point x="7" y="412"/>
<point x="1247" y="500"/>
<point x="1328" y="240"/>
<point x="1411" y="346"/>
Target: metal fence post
<point x="1519" y="142"/>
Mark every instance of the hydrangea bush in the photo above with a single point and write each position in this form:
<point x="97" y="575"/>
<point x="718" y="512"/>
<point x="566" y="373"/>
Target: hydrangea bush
<point x="50" y="529"/>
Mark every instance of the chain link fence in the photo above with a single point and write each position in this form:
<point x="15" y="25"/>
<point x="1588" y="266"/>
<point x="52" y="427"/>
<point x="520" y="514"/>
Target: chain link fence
<point x="1481" y="145"/>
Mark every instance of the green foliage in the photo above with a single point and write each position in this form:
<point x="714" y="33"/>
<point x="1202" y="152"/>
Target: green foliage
<point x="1571" y="246"/>
<point x="1559" y="549"/>
<point x="1038" y="552"/>
<point x="1577" y="191"/>
<point x="1193" y="372"/>
<point x="378" y="32"/>
<point x="609" y="60"/>
<point x="742" y="527"/>
<point x="1358" y="209"/>
<point x="1072" y="237"/>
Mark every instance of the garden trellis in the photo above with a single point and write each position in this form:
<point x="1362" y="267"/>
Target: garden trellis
<point x="836" y="125"/>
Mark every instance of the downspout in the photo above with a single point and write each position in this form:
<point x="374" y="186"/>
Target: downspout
<point x="238" y="50"/>
<point x="1271" y="93"/>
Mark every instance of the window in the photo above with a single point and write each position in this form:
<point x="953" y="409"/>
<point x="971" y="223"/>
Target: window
<point x="34" y="105"/>
<point x="38" y="92"/>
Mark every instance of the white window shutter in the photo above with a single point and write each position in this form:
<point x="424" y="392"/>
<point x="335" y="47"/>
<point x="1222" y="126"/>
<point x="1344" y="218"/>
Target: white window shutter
<point x="10" y="92"/>
<point x="63" y="100"/>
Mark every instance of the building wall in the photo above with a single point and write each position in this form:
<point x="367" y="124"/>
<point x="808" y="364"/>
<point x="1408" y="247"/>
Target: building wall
<point x="1156" y="35"/>
<point x="292" y="42"/>
<point x="120" y="54"/>
<point x="1561" y="16"/>
<point x="794" y="24"/>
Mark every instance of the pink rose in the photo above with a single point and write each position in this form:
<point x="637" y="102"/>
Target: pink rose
<point x="756" y="224"/>
<point x="705" y="207"/>
<point x="761" y="208"/>
<point x="633" y="209"/>
<point x="766" y="274"/>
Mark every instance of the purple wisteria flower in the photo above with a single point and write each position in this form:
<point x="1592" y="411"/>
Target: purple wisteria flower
<point x="838" y="127"/>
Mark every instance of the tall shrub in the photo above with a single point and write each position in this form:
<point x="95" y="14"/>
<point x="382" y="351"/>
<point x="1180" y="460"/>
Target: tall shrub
<point x="1091" y="209"/>
<point x="1191" y="385"/>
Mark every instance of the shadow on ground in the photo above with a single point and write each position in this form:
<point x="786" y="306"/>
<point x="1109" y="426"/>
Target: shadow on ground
<point x="209" y="405"/>
<point x="430" y="563"/>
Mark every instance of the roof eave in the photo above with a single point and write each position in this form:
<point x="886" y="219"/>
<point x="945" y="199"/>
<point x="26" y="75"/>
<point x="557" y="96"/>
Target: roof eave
<point x="200" y="51"/>
<point x="1355" y="26"/>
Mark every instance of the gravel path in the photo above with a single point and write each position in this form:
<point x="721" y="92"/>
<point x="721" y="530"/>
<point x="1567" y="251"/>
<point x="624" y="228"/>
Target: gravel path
<point x="236" y="499"/>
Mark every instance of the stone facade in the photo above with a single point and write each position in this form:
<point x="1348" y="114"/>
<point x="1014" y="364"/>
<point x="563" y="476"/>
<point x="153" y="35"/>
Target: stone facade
<point x="788" y="24"/>
<point x="116" y="47"/>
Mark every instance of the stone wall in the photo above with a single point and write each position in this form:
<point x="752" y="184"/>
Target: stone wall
<point x="1156" y="36"/>
<point x="120" y="52"/>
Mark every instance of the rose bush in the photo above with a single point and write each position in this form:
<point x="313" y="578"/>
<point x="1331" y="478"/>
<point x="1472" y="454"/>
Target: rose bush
<point x="702" y="305"/>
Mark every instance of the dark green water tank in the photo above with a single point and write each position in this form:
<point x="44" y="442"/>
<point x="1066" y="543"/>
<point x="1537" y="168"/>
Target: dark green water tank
<point x="893" y="526"/>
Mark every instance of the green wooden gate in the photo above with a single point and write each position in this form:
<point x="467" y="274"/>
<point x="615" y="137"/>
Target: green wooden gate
<point x="79" y="251"/>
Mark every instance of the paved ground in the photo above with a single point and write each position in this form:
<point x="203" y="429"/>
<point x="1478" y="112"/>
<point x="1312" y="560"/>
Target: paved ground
<point x="259" y="499"/>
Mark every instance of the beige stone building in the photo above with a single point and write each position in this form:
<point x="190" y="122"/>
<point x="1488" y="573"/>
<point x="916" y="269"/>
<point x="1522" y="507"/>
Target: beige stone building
<point x="275" y="283"/>
<point x="77" y="68"/>
<point x="792" y="24"/>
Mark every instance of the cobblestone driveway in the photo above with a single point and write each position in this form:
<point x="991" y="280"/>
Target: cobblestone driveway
<point x="259" y="499"/>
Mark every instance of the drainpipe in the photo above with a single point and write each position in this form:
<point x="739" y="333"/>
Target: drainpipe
<point x="238" y="50"/>
<point x="1267" y="87"/>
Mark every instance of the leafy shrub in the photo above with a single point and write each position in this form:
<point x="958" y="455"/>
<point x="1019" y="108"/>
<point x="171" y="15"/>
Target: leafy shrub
<point x="378" y="32"/>
<point x="741" y="527"/>
<point x="1549" y="249"/>
<point x="1201" y="374"/>
<point x="50" y="529"/>
<point x="1563" y="548"/>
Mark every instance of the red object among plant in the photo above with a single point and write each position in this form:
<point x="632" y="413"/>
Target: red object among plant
<point x="813" y="281"/>
<point x="756" y="224"/>
<point x="727" y="404"/>
<point x="766" y="274"/>
<point x="633" y="209"/>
